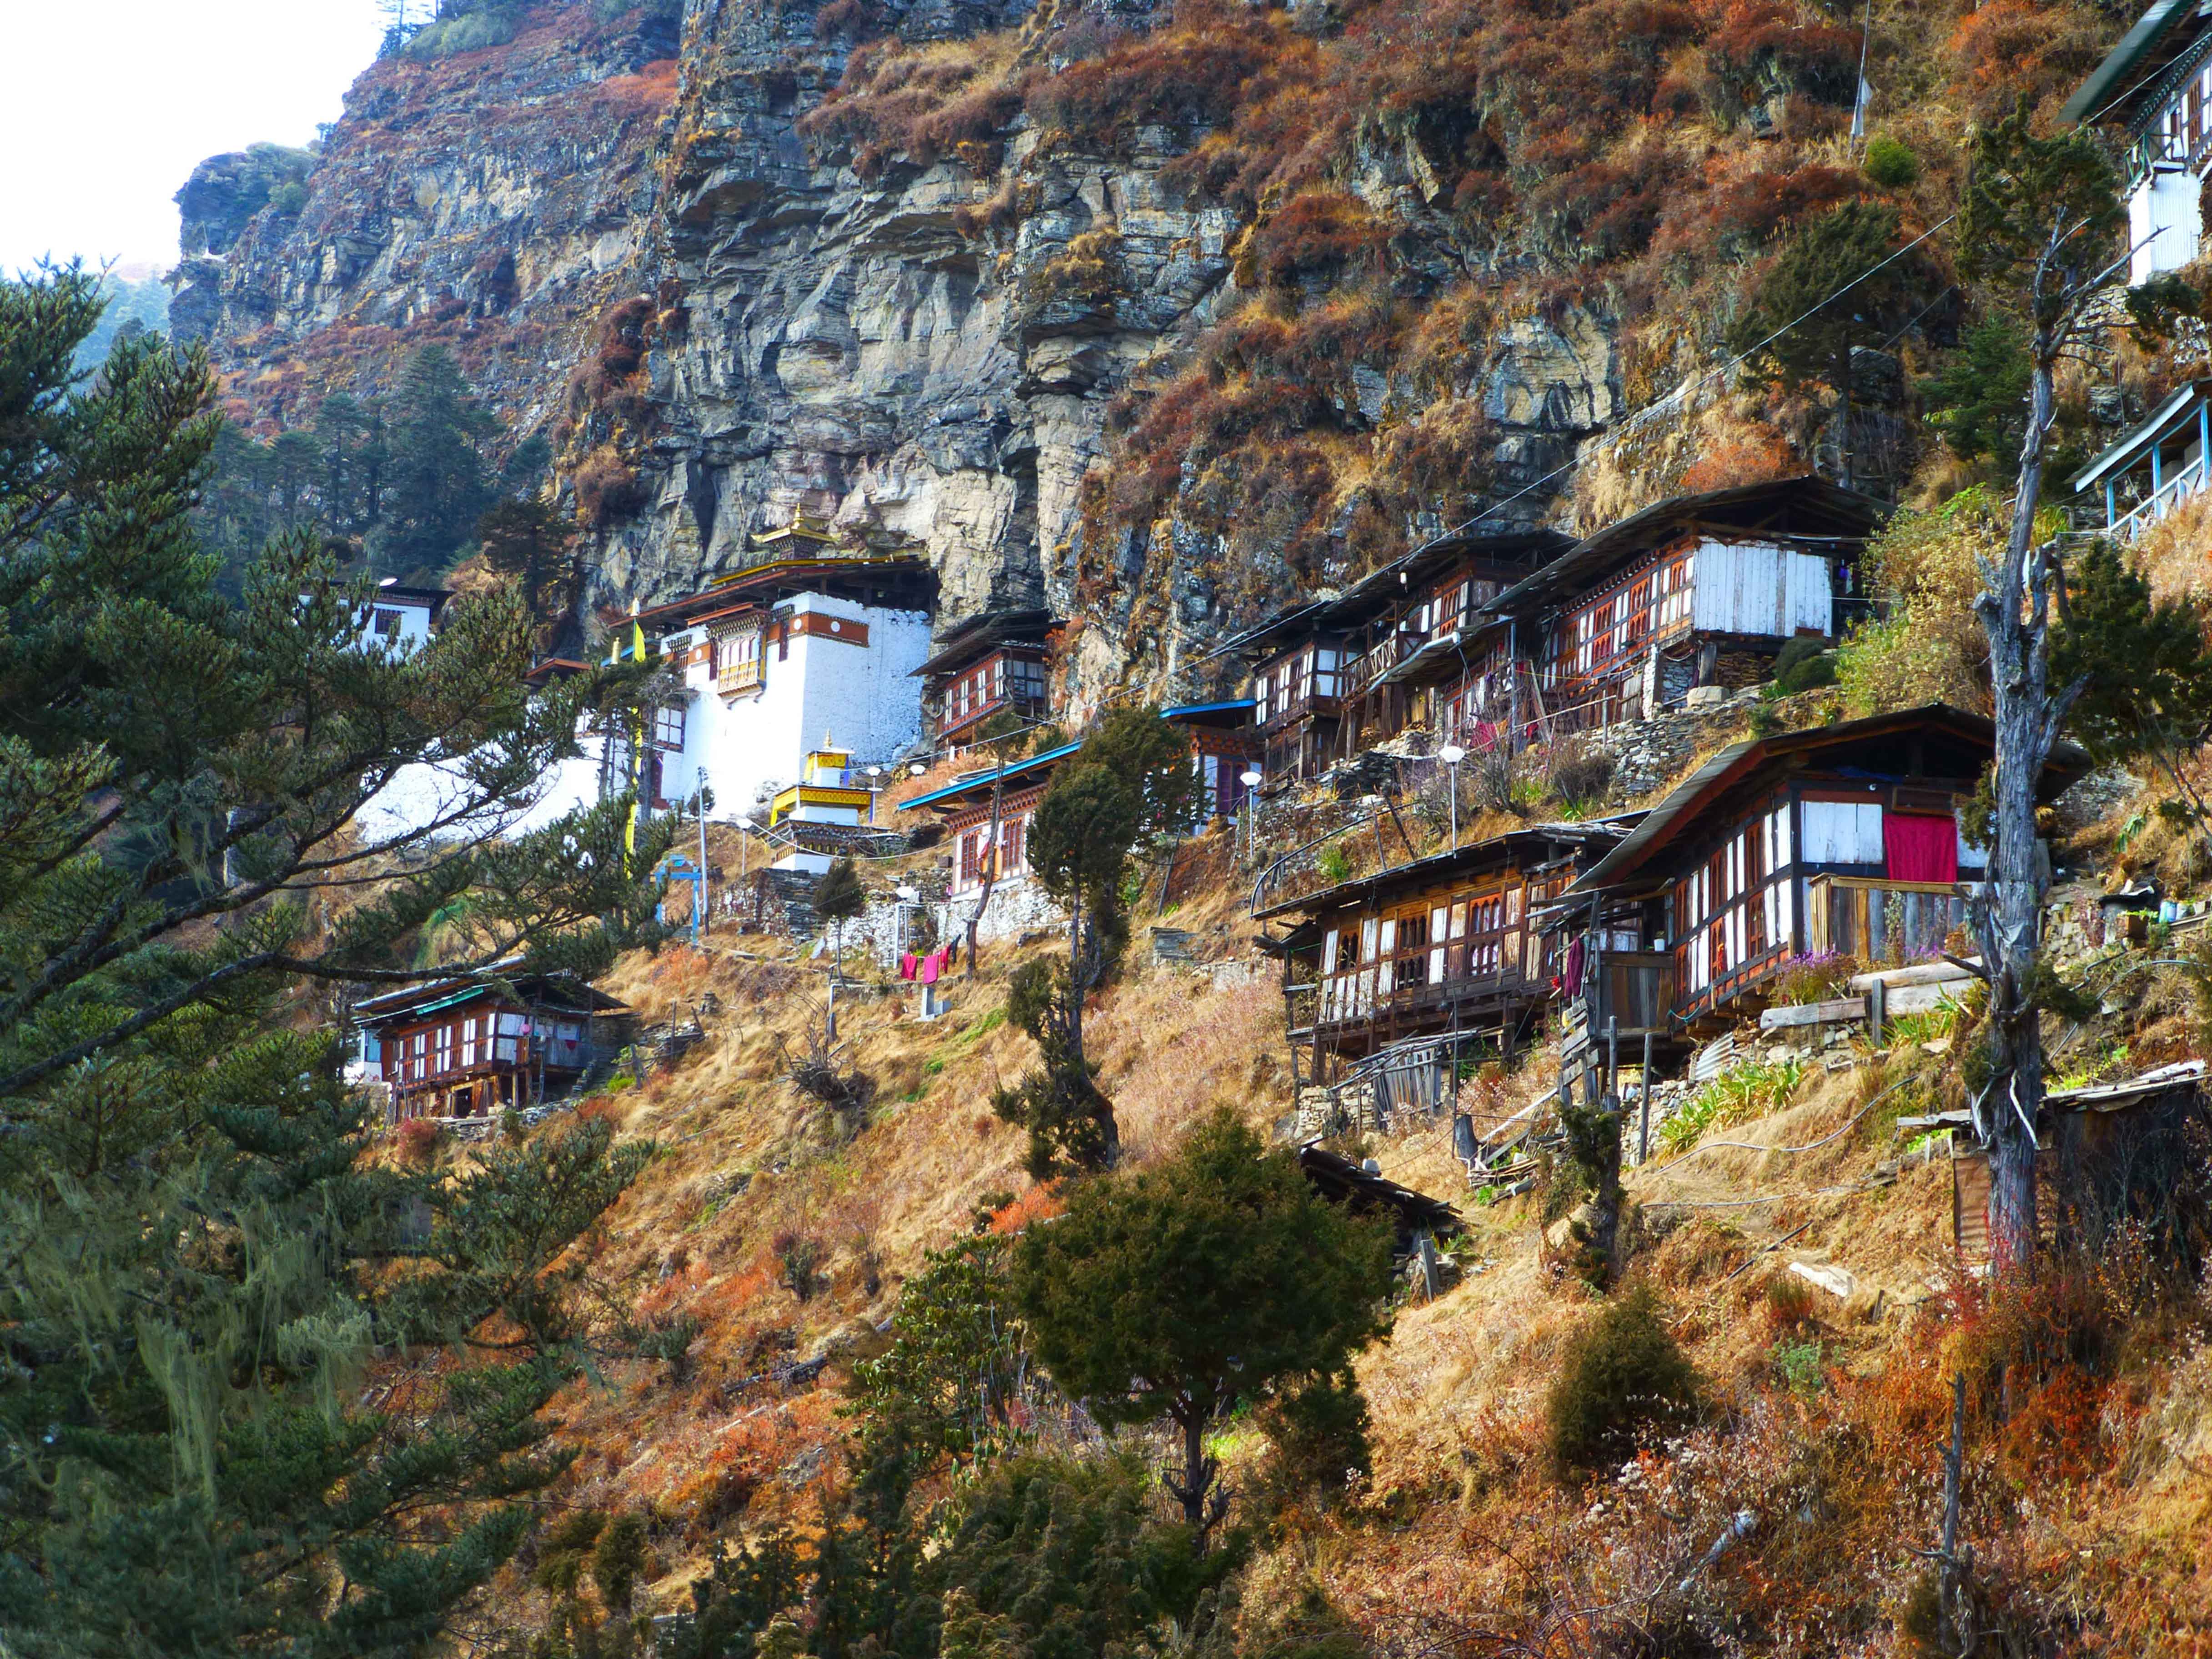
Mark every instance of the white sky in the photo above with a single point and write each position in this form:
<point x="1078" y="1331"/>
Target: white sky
<point x="105" y="106"/>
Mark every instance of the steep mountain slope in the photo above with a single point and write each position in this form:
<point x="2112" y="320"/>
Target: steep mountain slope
<point x="1159" y="316"/>
<point x="488" y="200"/>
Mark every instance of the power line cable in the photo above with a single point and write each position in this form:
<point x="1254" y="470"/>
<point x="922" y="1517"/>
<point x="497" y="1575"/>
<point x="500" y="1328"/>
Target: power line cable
<point x="1632" y="422"/>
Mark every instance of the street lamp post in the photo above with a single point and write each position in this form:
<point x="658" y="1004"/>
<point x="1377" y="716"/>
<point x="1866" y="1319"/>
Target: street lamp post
<point x="1250" y="779"/>
<point x="1451" y="754"/>
<point x="874" y="773"/>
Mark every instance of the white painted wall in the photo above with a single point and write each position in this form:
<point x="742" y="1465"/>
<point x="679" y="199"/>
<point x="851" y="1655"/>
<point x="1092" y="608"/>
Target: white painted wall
<point x="1757" y="587"/>
<point x="418" y="796"/>
<point x="2165" y="221"/>
<point x="1842" y="832"/>
<point x="862" y="698"/>
<point x="865" y="697"/>
<point x="414" y="630"/>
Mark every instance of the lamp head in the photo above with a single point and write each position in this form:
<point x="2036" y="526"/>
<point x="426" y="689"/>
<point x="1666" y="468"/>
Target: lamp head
<point x="1251" y="779"/>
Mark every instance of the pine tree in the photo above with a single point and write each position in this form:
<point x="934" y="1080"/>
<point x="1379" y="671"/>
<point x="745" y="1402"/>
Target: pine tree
<point x="838" y="897"/>
<point x="1131" y="779"/>
<point x="1979" y="401"/>
<point x="435" y="484"/>
<point x="524" y="539"/>
<point x="257" y="1392"/>
<point x="2145" y="676"/>
<point x="1216" y="1278"/>
<point x="1833" y="286"/>
<point x="352" y="435"/>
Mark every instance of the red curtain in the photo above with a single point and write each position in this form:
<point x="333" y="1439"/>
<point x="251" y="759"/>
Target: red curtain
<point x="1920" y="848"/>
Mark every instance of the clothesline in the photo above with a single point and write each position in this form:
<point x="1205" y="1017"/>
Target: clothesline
<point x="926" y="970"/>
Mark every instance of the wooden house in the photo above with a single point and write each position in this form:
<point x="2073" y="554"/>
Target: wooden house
<point x="2153" y="93"/>
<point x="1840" y="840"/>
<point x="1446" y="945"/>
<point x="1699" y="591"/>
<point x="1224" y="747"/>
<point x="467" y="1048"/>
<point x="1332" y="675"/>
<point x="990" y="665"/>
<point x="968" y="806"/>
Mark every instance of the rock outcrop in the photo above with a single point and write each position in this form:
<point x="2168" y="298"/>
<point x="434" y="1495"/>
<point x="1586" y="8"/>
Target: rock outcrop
<point x="725" y="313"/>
<point x="492" y="201"/>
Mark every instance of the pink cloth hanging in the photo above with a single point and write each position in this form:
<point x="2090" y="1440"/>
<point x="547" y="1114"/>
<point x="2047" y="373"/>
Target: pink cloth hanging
<point x="908" y="965"/>
<point x="1920" y="847"/>
<point x="931" y="964"/>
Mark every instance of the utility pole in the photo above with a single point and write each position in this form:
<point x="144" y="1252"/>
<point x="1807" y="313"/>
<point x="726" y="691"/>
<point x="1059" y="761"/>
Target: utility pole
<point x="699" y="919"/>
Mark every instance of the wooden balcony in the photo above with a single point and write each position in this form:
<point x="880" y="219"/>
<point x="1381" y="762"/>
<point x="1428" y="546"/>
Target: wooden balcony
<point x="1636" y="988"/>
<point x="958" y="729"/>
<point x="1322" y="702"/>
<point x="1881" y="922"/>
<point x="1351" y="1010"/>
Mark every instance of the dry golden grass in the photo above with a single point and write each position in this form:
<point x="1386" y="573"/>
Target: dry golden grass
<point x="1458" y="1390"/>
<point x="2175" y="554"/>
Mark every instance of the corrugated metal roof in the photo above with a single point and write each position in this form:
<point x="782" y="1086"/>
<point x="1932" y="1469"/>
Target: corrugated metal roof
<point x="1185" y="710"/>
<point x="1382" y="587"/>
<point x="989" y="632"/>
<point x="2113" y="82"/>
<point x="987" y="777"/>
<point x="2109" y="1097"/>
<point x="1849" y="516"/>
<point x="1472" y="855"/>
<point x="2160" y="423"/>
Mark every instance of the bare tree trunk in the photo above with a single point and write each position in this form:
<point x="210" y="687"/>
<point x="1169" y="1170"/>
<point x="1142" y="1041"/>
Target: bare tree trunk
<point x="2015" y="607"/>
<point x="1202" y="1507"/>
<point x="1078" y="977"/>
<point x="1955" y="1629"/>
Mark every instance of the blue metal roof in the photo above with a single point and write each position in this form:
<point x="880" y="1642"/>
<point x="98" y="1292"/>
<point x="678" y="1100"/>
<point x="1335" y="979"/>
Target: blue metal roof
<point x="989" y="776"/>
<point x="1208" y="708"/>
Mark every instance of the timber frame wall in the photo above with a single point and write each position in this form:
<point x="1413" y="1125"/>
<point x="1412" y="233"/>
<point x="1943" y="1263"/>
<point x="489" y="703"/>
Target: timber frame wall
<point x="1449" y="947"/>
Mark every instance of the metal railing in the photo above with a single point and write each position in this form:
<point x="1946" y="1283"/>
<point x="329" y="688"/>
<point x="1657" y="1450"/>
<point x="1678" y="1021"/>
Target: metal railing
<point x="2160" y="502"/>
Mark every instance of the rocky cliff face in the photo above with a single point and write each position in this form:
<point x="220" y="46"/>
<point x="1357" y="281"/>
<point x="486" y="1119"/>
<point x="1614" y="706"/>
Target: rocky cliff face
<point x="922" y="341"/>
<point x="873" y="350"/>
<point x="492" y="201"/>
<point x="1158" y="320"/>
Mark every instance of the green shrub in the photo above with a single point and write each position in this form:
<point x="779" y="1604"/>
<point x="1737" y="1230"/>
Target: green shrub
<point x="1805" y="662"/>
<point x="1334" y="865"/>
<point x="1623" y="1377"/>
<point x="618" y="1559"/>
<point x="1319" y="1435"/>
<point x="564" y="1549"/>
<point x="1890" y="164"/>
<point x="1800" y="1365"/>
<point x="492" y="24"/>
<point x="1737" y="1095"/>
<point x="288" y="201"/>
<point x="1051" y="1556"/>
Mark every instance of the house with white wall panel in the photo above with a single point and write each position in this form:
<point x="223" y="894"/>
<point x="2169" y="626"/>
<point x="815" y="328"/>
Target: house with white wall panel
<point x="1697" y="591"/>
<point x="401" y="619"/>
<point x="1493" y="634"/>
<point x="1842" y="840"/>
<point x="810" y="649"/>
<point x="2153" y="91"/>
